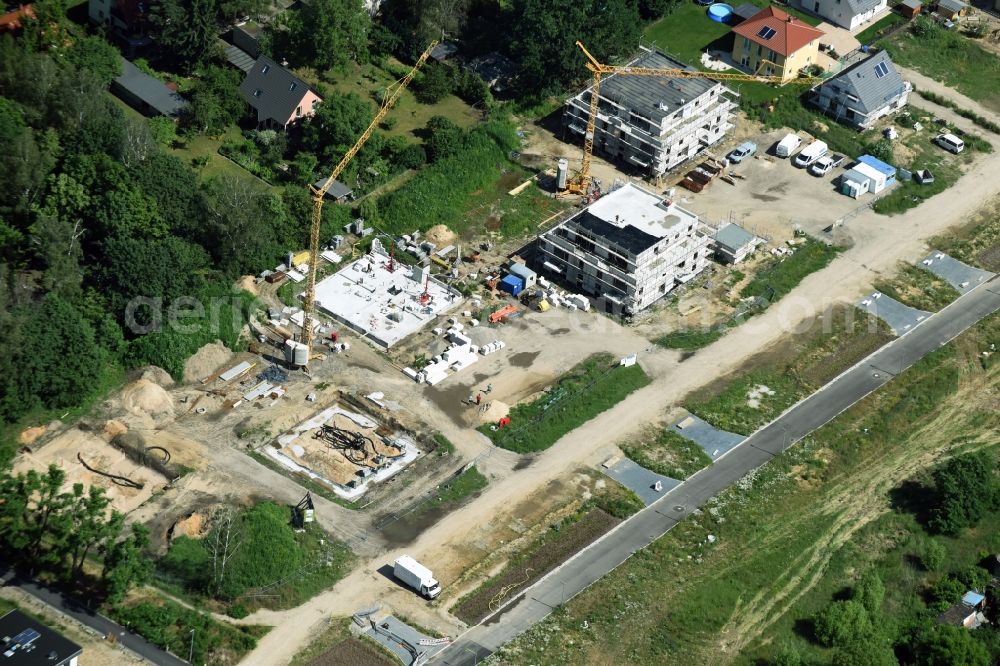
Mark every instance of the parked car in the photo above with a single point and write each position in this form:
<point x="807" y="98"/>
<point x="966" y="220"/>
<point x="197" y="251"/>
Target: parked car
<point x="825" y="164"/>
<point x="950" y="142"/>
<point x="742" y="151"/>
<point x="810" y="154"/>
<point x="787" y="145"/>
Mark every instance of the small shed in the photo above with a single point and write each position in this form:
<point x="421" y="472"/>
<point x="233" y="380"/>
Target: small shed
<point x="150" y="97"/>
<point x="520" y="270"/>
<point x="887" y="169"/>
<point x="338" y="191"/>
<point x="733" y="243"/>
<point x="952" y="9"/>
<point x="444" y="51"/>
<point x="909" y="8"/>
<point x="511" y="284"/>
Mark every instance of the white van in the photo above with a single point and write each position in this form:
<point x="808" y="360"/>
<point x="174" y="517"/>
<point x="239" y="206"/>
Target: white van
<point x="810" y="154"/>
<point x="950" y="142"/>
<point x="787" y="145"/>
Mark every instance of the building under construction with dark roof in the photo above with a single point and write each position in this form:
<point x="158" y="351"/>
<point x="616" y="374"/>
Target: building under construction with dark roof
<point x="653" y="123"/>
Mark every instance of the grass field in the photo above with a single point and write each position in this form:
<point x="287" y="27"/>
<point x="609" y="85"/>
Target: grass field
<point x="918" y="288"/>
<point x="952" y="59"/>
<point x="691" y="338"/>
<point x="589" y="388"/>
<point x="785" y="273"/>
<point x="665" y="452"/>
<point x="872" y="33"/>
<point x="979" y="243"/>
<point x="789" y="537"/>
<point x="779" y="378"/>
<point x="459" y="488"/>
<point x="411" y="116"/>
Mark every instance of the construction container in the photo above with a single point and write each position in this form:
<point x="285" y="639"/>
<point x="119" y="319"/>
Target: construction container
<point x="520" y="270"/>
<point x="275" y="277"/>
<point x="562" y="173"/>
<point x="511" y="284"/>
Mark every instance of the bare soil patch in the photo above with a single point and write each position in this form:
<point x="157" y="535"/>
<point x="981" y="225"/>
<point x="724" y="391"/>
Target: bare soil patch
<point x="353" y="651"/>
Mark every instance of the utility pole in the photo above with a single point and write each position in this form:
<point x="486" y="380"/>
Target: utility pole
<point x="191" y="649"/>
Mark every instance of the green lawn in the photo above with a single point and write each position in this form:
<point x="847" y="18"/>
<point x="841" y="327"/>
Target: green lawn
<point x="588" y="389"/>
<point x="665" y="452"/>
<point x="366" y="80"/>
<point x="871" y="34"/>
<point x="687" y="31"/>
<point x="788" y="539"/>
<point x="950" y="58"/>
<point x="786" y="273"/>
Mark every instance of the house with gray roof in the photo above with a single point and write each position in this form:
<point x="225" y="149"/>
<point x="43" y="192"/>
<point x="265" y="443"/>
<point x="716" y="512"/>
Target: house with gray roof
<point x="653" y="123"/>
<point x="864" y="92"/>
<point x="147" y="95"/>
<point x="849" y="14"/>
<point x="279" y="97"/>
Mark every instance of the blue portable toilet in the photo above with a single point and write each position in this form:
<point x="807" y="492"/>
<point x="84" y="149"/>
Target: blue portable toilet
<point x="512" y="284"/>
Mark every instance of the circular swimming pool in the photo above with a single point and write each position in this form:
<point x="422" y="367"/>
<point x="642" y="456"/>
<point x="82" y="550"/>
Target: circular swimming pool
<point x="720" y="12"/>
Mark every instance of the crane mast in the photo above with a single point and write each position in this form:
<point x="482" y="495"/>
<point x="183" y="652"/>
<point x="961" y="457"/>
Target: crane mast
<point x="390" y="98"/>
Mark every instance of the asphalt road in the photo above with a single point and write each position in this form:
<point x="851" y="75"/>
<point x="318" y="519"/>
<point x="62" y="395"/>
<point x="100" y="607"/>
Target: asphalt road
<point x="90" y="618"/>
<point x="589" y="565"/>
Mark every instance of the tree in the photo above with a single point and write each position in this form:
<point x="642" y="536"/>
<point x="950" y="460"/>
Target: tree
<point x="88" y="525"/>
<point x="185" y="30"/>
<point x="223" y="545"/>
<point x="444" y="139"/>
<point x="215" y="101"/>
<point x="869" y="592"/>
<point x="932" y="555"/>
<point x="337" y="123"/>
<point x="326" y="34"/>
<point x="234" y="9"/>
<point x="97" y="55"/>
<point x="544" y="35"/>
<point x="964" y="491"/>
<point x="125" y="561"/>
<point x="435" y="84"/>
<point x="945" y="645"/>
<point x="842" y="622"/>
<point x="873" y="652"/>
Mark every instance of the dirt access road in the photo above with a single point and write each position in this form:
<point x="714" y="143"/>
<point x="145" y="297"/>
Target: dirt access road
<point x="879" y="243"/>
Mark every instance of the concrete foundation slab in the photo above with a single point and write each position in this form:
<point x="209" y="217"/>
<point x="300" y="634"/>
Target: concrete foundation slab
<point x="396" y="636"/>
<point x="639" y="480"/>
<point x="384" y="300"/>
<point x="901" y="318"/>
<point x="713" y="441"/>
<point x="961" y="276"/>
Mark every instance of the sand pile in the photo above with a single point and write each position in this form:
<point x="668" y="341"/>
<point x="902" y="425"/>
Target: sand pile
<point x="29" y="435"/>
<point x="144" y="398"/>
<point x="206" y="361"/>
<point x="440" y="235"/>
<point x="192" y="526"/>
<point x="113" y="429"/>
<point x="157" y="375"/>
<point x="247" y="283"/>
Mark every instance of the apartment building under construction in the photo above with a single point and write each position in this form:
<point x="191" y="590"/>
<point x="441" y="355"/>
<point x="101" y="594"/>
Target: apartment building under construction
<point x="653" y="123"/>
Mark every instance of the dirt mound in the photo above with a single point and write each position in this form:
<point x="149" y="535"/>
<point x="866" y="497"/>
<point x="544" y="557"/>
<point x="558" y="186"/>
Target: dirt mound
<point x="247" y="283"/>
<point x="206" y="360"/>
<point x="113" y="429"/>
<point x="144" y="398"/>
<point x="157" y="375"/>
<point x="29" y="435"/>
<point x="193" y="526"/>
<point x="440" y="235"/>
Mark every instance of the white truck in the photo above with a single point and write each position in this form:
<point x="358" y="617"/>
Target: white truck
<point x="787" y="145"/>
<point x="810" y="154"/>
<point x="415" y="575"/>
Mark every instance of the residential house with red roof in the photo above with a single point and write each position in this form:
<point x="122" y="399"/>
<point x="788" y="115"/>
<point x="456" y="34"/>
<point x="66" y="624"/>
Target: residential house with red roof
<point x="774" y="43"/>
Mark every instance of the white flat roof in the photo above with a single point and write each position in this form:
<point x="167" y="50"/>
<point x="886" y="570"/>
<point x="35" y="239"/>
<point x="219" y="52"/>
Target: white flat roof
<point x="631" y="205"/>
<point x="381" y="304"/>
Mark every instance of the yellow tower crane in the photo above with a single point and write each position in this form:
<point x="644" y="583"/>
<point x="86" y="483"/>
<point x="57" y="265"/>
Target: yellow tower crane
<point x="580" y="183"/>
<point x="390" y="97"/>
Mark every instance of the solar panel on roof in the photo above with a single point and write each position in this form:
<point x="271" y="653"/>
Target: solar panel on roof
<point x="767" y="32"/>
<point x="26" y="637"/>
<point x="881" y="70"/>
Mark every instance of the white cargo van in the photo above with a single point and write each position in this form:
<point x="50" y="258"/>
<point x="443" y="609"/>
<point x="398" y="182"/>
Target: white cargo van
<point x="950" y="142"/>
<point x="417" y="576"/>
<point x="787" y="145"/>
<point x="810" y="154"/>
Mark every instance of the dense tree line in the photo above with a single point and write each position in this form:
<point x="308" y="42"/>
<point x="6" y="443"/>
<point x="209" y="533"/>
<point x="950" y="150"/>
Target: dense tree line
<point x="96" y="213"/>
<point x="55" y="532"/>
